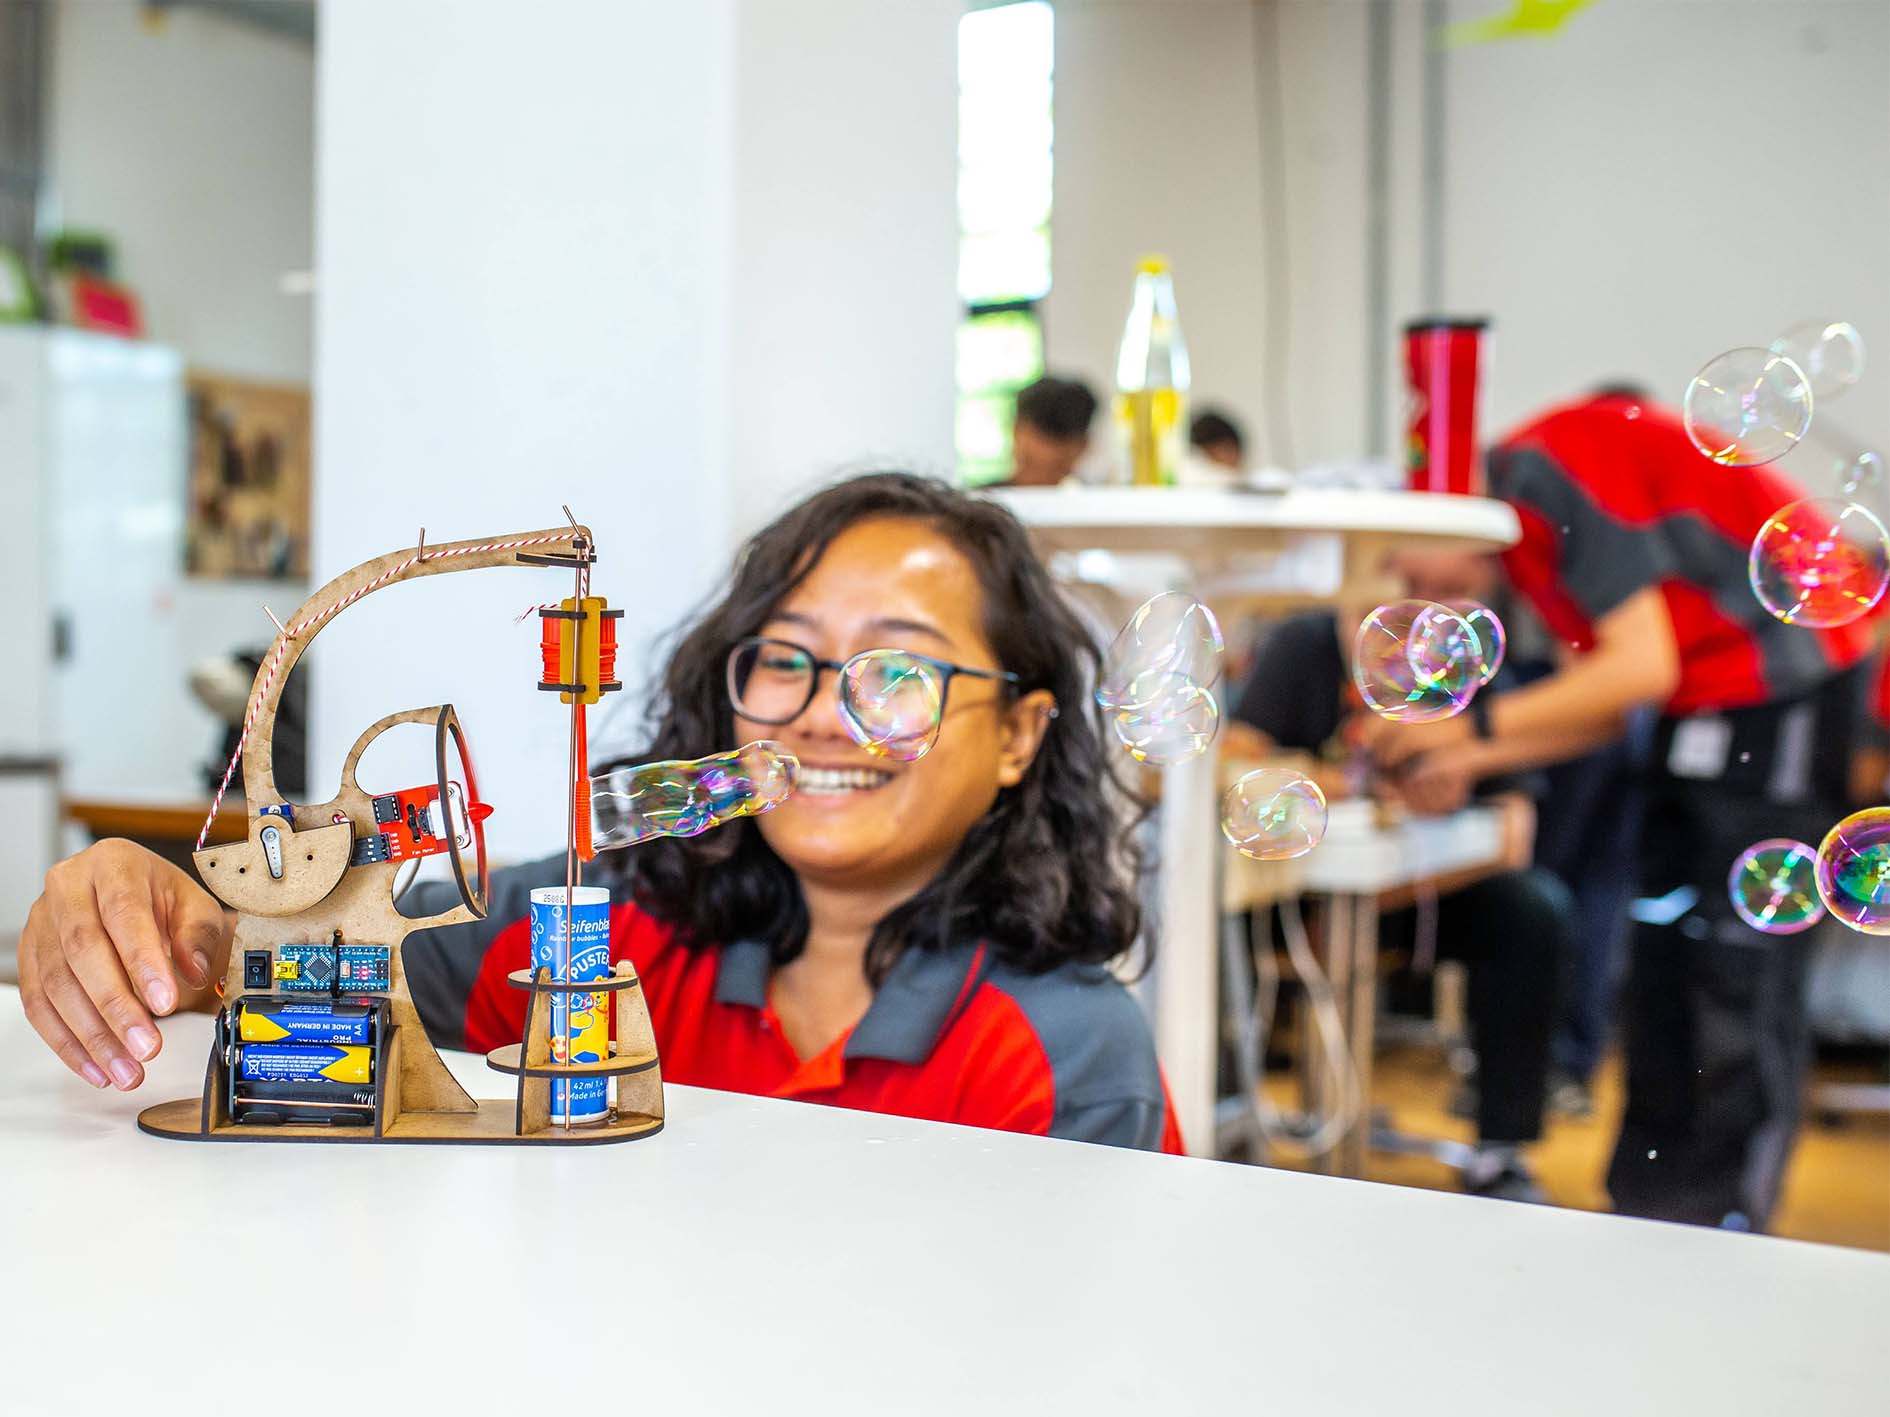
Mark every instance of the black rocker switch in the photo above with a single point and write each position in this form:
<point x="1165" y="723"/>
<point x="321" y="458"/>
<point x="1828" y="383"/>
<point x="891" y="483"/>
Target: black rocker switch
<point x="256" y="969"/>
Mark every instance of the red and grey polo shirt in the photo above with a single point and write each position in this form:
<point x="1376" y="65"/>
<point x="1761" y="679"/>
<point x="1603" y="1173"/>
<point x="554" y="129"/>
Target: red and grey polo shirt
<point x="952" y="1035"/>
<point x="1613" y="498"/>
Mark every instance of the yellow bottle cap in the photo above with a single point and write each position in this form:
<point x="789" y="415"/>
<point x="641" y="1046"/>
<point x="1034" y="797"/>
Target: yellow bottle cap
<point x="1152" y="266"/>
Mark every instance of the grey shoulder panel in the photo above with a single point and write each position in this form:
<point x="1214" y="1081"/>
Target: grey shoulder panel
<point x="1101" y="1053"/>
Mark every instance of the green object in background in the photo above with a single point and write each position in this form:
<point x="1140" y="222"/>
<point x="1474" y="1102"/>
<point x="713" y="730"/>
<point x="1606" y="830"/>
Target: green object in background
<point x="1000" y="350"/>
<point x="88" y="252"/>
<point x="1525" y="17"/>
<point x="19" y="302"/>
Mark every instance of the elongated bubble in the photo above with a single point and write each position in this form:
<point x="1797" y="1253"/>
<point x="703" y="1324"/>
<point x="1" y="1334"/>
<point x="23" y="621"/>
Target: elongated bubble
<point x="686" y="798"/>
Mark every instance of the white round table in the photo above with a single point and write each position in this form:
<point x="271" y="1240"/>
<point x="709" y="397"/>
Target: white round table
<point x="1323" y="545"/>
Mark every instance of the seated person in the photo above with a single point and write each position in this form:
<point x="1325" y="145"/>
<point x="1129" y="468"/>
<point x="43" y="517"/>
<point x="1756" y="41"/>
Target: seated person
<point x="1050" y="433"/>
<point x="926" y="938"/>
<point x="1510" y="929"/>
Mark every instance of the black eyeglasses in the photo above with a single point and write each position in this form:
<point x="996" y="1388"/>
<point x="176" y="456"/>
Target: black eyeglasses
<point x="884" y="693"/>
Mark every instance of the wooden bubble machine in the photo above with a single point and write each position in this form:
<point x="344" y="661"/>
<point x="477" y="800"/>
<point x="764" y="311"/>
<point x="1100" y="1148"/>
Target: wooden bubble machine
<point x="318" y="938"/>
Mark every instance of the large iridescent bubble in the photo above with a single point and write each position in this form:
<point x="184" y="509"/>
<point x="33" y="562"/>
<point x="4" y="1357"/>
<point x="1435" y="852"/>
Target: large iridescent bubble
<point x="1854" y="870"/>
<point x="891" y="703"/>
<point x="1831" y="353"/>
<point x="1820" y="562"/>
<point x="1415" y="660"/>
<point x="642" y="801"/>
<point x="1773" y="886"/>
<point x="1274" y="814"/>
<point x="1158" y="677"/>
<point x="1747" y="407"/>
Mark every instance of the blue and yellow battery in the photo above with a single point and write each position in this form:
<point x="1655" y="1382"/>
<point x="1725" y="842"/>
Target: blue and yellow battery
<point x="303" y="1062"/>
<point x="302" y="1021"/>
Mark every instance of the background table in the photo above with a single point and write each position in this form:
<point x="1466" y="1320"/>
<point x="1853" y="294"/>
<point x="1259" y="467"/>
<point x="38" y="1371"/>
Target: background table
<point x="783" y="1257"/>
<point x="1237" y="550"/>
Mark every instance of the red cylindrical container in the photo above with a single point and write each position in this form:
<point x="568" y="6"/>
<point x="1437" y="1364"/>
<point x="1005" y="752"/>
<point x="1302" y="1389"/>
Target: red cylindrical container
<point x="1441" y="360"/>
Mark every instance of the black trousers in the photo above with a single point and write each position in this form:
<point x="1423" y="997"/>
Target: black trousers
<point x="1717" y="1039"/>
<point x="1512" y="934"/>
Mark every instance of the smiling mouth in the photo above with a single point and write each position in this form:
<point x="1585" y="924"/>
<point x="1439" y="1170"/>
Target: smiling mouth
<point x="837" y="782"/>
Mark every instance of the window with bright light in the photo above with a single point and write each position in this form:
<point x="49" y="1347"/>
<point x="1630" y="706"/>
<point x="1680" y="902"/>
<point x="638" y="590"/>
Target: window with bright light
<point x="1004" y="165"/>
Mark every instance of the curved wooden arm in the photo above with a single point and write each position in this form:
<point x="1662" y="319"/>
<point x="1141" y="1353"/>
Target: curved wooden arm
<point x="259" y="768"/>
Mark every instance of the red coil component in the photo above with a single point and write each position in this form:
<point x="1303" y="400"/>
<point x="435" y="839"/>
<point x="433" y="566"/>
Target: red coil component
<point x="607" y="649"/>
<point x="551" y="645"/>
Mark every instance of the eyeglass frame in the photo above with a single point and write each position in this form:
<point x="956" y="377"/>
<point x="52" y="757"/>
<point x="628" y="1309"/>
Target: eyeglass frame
<point x="947" y="671"/>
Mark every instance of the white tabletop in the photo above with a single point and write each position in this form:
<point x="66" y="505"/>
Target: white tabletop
<point x="1208" y="521"/>
<point x="764" y="1256"/>
<point x="1360" y="857"/>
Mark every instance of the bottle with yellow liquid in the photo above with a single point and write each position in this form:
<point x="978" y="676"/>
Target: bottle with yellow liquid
<point x="1152" y="380"/>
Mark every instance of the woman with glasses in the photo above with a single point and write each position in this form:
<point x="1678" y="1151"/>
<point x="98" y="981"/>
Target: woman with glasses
<point x="924" y="929"/>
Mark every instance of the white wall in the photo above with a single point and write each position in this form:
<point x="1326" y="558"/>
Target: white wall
<point x="189" y="140"/>
<point x="662" y="262"/>
<point x="1659" y="181"/>
<point x="1666" y="180"/>
<point x="842" y="288"/>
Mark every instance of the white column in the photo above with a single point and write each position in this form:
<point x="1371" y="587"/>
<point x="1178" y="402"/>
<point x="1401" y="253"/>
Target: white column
<point x="665" y="262"/>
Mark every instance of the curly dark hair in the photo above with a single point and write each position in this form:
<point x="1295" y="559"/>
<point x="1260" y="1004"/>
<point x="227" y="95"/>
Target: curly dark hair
<point x="1036" y="878"/>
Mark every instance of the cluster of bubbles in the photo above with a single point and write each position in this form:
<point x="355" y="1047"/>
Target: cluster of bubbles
<point x="1774" y="888"/>
<point x="1157" y="687"/>
<point x="1820" y="562"/>
<point x="1158" y="678"/>
<point x="1415" y="661"/>
<point x="636" y="803"/>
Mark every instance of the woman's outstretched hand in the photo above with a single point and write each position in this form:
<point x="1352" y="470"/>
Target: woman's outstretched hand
<point x="118" y="937"/>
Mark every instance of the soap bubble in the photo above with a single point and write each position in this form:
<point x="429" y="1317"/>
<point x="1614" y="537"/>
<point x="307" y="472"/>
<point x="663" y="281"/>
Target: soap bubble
<point x="1862" y="474"/>
<point x="1747" y="407"/>
<point x="1831" y="353"/>
<point x="1773" y="887"/>
<point x="1171" y="636"/>
<point x="641" y="801"/>
<point x="1414" y="661"/>
<point x="1819" y="562"/>
<point x="1274" y="814"/>
<point x="1175" y="719"/>
<point x="1158" y="676"/>
<point x="1854" y="870"/>
<point x="1492" y="639"/>
<point x="891" y="703"/>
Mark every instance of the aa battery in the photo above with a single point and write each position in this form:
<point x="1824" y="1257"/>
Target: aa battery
<point x="303" y="1021"/>
<point x="303" y="1063"/>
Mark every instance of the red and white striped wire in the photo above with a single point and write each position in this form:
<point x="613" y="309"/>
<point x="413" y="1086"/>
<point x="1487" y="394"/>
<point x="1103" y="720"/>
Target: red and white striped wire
<point x="318" y="618"/>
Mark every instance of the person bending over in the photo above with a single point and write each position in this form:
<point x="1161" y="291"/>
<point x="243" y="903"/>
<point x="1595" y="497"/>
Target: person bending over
<point x="1509" y="929"/>
<point x="929" y="938"/>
